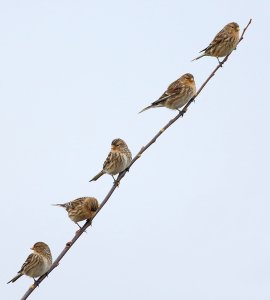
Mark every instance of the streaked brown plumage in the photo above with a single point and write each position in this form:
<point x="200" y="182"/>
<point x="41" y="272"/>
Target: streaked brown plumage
<point x="81" y="209"/>
<point x="177" y="94"/>
<point x="37" y="263"/>
<point x="117" y="160"/>
<point x="223" y="43"/>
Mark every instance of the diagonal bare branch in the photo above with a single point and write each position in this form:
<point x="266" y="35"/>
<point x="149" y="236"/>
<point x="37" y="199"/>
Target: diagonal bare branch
<point x="122" y="175"/>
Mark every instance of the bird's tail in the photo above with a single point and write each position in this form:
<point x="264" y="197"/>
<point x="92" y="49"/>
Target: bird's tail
<point x="61" y="205"/>
<point x="146" y="108"/>
<point x="97" y="176"/>
<point x="198" y="57"/>
<point x="15" y="278"/>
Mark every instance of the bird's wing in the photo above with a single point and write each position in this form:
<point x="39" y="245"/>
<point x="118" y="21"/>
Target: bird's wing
<point x="108" y="161"/>
<point x="31" y="261"/>
<point x="74" y="203"/>
<point x="173" y="89"/>
<point x="219" y="38"/>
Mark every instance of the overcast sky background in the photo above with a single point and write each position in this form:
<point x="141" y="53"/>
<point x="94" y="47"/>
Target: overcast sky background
<point x="191" y="219"/>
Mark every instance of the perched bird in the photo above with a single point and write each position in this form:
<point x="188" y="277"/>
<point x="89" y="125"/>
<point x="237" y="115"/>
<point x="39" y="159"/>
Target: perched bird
<point x="177" y="94"/>
<point x="37" y="263"/>
<point x="117" y="160"/>
<point x="81" y="209"/>
<point x="223" y="43"/>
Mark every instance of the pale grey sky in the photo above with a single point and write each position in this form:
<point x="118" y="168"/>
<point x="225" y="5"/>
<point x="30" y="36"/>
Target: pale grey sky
<point x="191" y="219"/>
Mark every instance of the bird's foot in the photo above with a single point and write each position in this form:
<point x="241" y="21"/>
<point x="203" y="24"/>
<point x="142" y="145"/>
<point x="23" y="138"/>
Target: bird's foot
<point x="182" y="112"/>
<point x="219" y="62"/>
<point x="117" y="182"/>
<point x="36" y="283"/>
<point x="79" y="227"/>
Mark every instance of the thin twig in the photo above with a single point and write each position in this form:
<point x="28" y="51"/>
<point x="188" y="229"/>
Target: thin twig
<point x="122" y="175"/>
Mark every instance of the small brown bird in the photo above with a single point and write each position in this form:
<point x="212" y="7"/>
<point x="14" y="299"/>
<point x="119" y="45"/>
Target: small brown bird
<point x="37" y="263"/>
<point x="81" y="209"/>
<point x="223" y="43"/>
<point x="117" y="160"/>
<point x="177" y="94"/>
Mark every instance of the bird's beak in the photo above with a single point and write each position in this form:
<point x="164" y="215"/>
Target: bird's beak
<point x="32" y="248"/>
<point x="238" y="29"/>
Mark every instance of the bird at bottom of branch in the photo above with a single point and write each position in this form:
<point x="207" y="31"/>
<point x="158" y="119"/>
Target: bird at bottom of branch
<point x="37" y="263"/>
